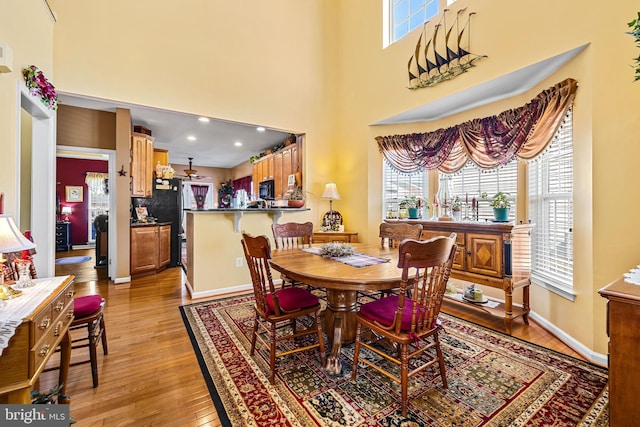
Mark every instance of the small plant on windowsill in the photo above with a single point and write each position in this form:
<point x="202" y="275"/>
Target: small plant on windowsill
<point x="500" y="203"/>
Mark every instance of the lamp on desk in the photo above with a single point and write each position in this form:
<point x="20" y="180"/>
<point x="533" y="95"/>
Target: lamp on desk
<point x="331" y="192"/>
<point x="66" y="210"/>
<point x="11" y="240"/>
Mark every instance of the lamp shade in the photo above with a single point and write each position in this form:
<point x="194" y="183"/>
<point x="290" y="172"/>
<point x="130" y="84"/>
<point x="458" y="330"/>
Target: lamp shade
<point x="11" y="239"/>
<point x="330" y="191"/>
<point x="66" y="210"/>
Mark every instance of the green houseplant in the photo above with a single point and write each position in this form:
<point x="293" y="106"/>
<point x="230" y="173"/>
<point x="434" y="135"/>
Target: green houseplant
<point x="413" y="204"/>
<point x="500" y="203"/>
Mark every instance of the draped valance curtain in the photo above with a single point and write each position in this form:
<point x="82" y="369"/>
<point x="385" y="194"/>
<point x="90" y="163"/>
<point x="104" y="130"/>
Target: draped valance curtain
<point x="97" y="182"/>
<point x="489" y="142"/>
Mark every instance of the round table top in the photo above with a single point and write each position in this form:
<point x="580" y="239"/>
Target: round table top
<point x="329" y="273"/>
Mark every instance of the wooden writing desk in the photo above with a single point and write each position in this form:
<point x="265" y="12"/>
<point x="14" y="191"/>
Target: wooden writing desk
<point x="341" y="282"/>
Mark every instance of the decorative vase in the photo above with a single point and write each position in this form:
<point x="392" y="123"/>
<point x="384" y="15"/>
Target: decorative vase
<point x="501" y="214"/>
<point x="457" y="215"/>
<point x="295" y="203"/>
<point x="413" y="213"/>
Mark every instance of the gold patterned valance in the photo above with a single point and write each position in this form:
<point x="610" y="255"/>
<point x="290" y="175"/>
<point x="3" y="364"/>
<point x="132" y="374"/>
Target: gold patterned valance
<point x="488" y="142"/>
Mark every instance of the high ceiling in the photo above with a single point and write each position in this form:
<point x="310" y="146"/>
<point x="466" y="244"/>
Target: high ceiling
<point x="214" y="143"/>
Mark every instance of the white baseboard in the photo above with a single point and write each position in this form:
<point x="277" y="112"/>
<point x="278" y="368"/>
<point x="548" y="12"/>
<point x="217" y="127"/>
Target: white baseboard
<point x="119" y="280"/>
<point x="221" y="291"/>
<point x="597" y="358"/>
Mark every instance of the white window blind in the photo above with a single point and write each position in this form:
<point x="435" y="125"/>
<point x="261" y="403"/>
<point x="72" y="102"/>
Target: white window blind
<point x="551" y="210"/>
<point x="470" y="182"/>
<point x="397" y="186"/>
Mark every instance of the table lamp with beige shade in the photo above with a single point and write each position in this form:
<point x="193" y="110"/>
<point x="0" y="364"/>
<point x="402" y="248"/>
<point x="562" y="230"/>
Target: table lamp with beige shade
<point x="11" y="240"/>
<point x="333" y="218"/>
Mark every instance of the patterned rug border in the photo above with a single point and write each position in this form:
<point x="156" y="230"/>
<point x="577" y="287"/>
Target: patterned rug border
<point x="213" y="392"/>
<point x="190" y="322"/>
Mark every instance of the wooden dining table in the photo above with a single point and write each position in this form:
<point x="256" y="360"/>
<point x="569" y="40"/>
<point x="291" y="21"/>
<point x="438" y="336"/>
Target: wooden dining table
<point x="341" y="282"/>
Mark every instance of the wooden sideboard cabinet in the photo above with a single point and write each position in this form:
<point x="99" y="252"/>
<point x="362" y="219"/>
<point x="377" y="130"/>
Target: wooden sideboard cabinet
<point x="142" y="167"/>
<point x="150" y="248"/>
<point x="35" y="341"/>
<point x="623" y="329"/>
<point x="497" y="255"/>
<point x="335" y="236"/>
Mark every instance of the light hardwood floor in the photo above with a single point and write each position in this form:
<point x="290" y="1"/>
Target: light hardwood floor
<point x="151" y="376"/>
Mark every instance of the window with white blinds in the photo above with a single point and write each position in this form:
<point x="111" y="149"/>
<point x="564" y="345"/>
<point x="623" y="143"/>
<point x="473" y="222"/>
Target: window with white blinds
<point x="551" y="210"/>
<point x="470" y="182"/>
<point x="398" y="186"/>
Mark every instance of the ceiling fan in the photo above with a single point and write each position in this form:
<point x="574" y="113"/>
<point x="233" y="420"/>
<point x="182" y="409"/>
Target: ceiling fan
<point x="191" y="173"/>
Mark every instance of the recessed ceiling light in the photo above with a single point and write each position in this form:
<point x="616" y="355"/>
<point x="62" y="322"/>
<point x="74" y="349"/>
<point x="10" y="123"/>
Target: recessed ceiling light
<point x="191" y="138"/>
<point x="260" y="129"/>
<point x="237" y="144"/>
<point x="204" y="119"/>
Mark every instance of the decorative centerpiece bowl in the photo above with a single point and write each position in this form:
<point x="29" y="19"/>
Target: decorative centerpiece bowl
<point x="336" y="249"/>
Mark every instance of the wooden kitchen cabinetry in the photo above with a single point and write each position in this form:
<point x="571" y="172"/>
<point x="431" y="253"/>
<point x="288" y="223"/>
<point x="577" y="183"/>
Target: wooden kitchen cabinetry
<point x="623" y="329"/>
<point x="142" y="166"/>
<point x="277" y="166"/>
<point x="150" y="248"/>
<point x="497" y="255"/>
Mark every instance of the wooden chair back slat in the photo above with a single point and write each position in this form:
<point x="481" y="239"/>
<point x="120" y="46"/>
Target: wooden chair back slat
<point x="391" y="234"/>
<point x="292" y="235"/>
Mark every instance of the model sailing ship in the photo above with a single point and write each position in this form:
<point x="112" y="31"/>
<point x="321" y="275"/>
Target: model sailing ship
<point x="441" y="60"/>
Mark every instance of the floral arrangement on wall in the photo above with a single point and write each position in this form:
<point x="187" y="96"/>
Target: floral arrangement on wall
<point x="38" y="85"/>
<point x="635" y="32"/>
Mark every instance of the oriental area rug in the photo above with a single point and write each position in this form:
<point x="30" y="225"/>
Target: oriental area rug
<point x="494" y="380"/>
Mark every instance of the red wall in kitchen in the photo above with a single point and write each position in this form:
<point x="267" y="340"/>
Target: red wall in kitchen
<point x="72" y="172"/>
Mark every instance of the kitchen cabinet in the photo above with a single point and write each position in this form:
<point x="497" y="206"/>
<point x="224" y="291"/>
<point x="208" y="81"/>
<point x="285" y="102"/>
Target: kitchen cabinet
<point x="623" y="330"/>
<point x="150" y="248"/>
<point x="142" y="167"/>
<point x="497" y="255"/>
<point x="277" y="166"/>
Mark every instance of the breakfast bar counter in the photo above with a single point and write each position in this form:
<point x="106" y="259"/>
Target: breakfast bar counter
<point x="215" y="261"/>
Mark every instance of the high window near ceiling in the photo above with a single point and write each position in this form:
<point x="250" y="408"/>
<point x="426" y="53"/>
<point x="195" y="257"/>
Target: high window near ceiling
<point x="404" y="16"/>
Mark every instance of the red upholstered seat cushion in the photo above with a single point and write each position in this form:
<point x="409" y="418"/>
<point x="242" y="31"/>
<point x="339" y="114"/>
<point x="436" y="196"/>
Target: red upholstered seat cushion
<point x="86" y="305"/>
<point x="384" y="310"/>
<point x="293" y="299"/>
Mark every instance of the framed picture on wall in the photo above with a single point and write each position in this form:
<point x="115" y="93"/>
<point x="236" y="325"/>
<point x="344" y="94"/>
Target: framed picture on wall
<point x="74" y="194"/>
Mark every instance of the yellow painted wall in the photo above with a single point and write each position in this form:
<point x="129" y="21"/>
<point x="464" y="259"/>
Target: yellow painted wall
<point x="26" y="27"/>
<point x="317" y="67"/>
<point x="606" y="116"/>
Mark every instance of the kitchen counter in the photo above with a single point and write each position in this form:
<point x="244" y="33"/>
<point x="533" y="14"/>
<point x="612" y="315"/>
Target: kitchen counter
<point x="276" y="212"/>
<point x="148" y="224"/>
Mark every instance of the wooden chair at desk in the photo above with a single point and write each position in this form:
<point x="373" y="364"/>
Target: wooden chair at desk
<point x="410" y="323"/>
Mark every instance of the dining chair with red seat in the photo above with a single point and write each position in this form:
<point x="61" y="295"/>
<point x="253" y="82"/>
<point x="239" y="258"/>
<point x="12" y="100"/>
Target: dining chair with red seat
<point x="410" y="323"/>
<point x="277" y="309"/>
<point x="88" y="313"/>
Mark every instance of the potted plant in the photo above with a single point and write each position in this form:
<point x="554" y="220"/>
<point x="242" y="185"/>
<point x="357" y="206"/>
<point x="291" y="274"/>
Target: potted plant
<point x="500" y="203"/>
<point x="456" y="208"/>
<point x="296" y="198"/>
<point x="413" y="205"/>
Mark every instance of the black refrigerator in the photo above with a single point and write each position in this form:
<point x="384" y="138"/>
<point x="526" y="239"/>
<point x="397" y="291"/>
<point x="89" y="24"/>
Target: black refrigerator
<point x="165" y="205"/>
